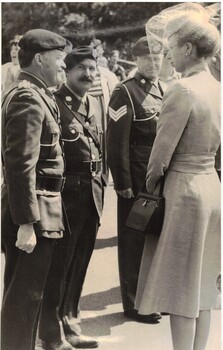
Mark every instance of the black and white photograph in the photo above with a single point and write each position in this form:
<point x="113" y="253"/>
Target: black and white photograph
<point x="111" y="175"/>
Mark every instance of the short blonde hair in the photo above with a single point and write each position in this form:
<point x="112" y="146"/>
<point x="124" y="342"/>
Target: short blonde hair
<point x="197" y="30"/>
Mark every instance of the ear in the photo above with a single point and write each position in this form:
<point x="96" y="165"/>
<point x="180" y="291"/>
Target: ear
<point x="38" y="59"/>
<point x="188" y="48"/>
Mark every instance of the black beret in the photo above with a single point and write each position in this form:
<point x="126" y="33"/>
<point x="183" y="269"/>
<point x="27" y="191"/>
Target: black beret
<point x="38" y="40"/>
<point x="141" y="47"/>
<point x="79" y="54"/>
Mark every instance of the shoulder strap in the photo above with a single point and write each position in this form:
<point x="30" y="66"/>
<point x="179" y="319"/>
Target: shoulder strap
<point x="133" y="108"/>
<point x="77" y="116"/>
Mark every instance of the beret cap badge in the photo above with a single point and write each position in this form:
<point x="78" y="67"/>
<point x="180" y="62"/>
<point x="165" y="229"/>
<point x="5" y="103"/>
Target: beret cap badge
<point x="68" y="98"/>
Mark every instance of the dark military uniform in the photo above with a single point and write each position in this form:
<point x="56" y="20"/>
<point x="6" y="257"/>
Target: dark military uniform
<point x="133" y="110"/>
<point x="83" y="199"/>
<point x="33" y="168"/>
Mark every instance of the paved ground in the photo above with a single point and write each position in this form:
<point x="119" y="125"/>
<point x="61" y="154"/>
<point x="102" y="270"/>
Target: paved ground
<point x="101" y="307"/>
<point x="102" y="315"/>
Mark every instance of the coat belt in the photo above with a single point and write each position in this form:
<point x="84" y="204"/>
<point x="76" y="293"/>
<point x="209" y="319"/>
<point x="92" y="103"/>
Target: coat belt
<point x="193" y="163"/>
<point x="50" y="183"/>
<point x="89" y="167"/>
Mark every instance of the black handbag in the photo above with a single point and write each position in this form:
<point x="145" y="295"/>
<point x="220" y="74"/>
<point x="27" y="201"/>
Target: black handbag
<point x="147" y="213"/>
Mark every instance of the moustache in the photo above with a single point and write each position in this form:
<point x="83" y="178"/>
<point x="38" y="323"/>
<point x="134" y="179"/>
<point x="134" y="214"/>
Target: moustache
<point x="86" y="79"/>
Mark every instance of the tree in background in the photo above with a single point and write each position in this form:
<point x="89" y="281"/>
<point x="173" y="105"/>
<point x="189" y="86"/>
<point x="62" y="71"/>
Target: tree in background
<point x="116" y="24"/>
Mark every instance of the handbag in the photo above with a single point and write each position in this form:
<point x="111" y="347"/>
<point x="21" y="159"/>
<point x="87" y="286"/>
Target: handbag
<point x="147" y="213"/>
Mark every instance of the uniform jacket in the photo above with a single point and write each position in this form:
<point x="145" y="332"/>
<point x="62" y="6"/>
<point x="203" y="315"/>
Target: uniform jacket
<point x="79" y="145"/>
<point x="134" y="109"/>
<point x="30" y="148"/>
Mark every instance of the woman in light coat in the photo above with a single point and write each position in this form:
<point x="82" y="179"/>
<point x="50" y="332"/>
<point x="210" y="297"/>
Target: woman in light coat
<point x="180" y="278"/>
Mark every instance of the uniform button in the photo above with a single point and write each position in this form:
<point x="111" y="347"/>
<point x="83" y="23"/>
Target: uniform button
<point x="90" y="139"/>
<point x="93" y="157"/>
<point x="143" y="81"/>
<point x="87" y="124"/>
<point x="72" y="131"/>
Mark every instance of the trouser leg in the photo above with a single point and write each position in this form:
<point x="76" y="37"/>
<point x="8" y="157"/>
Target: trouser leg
<point x="82" y="247"/>
<point x="50" y="326"/>
<point x="25" y="276"/>
<point x="130" y="249"/>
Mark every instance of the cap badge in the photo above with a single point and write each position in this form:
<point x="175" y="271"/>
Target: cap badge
<point x="157" y="48"/>
<point x="68" y="98"/>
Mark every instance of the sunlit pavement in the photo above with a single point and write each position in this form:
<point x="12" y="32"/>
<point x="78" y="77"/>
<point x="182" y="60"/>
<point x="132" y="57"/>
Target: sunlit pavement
<point x="101" y="306"/>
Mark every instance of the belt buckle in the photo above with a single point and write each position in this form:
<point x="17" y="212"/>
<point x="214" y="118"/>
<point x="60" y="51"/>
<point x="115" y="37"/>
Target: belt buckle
<point x="93" y="167"/>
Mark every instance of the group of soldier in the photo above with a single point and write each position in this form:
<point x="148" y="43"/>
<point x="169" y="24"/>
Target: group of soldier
<point x="56" y="148"/>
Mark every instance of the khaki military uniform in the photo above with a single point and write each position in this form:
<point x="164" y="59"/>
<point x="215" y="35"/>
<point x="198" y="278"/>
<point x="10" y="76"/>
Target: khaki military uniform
<point x="133" y="110"/>
<point x="83" y="200"/>
<point x="33" y="168"/>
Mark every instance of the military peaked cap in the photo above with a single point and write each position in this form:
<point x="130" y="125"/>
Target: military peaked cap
<point x="38" y="40"/>
<point x="79" y="54"/>
<point x="141" y="47"/>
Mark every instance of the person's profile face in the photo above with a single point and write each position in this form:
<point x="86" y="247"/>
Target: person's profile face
<point x="114" y="58"/>
<point x="177" y="54"/>
<point x="149" y="65"/>
<point x="53" y="67"/>
<point x="14" y="50"/>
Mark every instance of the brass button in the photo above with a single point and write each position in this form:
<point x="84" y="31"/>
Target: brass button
<point x="72" y="131"/>
<point x="87" y="124"/>
<point x="90" y="139"/>
<point x="93" y="157"/>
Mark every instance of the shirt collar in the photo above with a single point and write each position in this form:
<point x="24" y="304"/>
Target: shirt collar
<point x="82" y="99"/>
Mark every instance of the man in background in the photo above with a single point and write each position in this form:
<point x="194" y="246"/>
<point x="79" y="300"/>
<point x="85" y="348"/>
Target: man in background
<point x="134" y="109"/>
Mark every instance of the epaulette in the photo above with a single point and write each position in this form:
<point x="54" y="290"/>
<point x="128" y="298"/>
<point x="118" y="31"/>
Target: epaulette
<point x="24" y="84"/>
<point x="127" y="79"/>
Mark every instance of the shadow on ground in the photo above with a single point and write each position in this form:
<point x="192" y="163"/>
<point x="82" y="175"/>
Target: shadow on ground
<point x="99" y="301"/>
<point x="101" y="325"/>
<point x="106" y="243"/>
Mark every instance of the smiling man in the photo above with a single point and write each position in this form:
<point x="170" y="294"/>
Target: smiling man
<point x="82" y="195"/>
<point x="33" y="165"/>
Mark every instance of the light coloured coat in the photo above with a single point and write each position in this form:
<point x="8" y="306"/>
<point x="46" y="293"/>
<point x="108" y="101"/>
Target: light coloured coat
<point x="178" y="273"/>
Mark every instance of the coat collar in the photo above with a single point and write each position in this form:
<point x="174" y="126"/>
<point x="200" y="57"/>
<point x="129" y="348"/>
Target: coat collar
<point x="34" y="79"/>
<point x="75" y="102"/>
<point x="152" y="89"/>
<point x="42" y="88"/>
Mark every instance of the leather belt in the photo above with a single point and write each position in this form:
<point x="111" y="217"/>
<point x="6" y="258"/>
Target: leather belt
<point x="89" y="167"/>
<point x="50" y="183"/>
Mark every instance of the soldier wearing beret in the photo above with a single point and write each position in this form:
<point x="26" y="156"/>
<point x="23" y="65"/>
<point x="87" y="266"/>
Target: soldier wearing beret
<point x="33" y="164"/>
<point x="82" y="195"/>
<point x="134" y="109"/>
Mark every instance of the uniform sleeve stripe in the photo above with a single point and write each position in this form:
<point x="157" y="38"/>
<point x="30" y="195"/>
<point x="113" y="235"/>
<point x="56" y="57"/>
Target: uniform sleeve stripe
<point x="116" y="115"/>
<point x="119" y="113"/>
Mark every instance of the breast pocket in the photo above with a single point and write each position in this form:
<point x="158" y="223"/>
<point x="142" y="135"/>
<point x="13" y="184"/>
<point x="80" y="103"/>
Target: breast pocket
<point x="145" y="113"/>
<point x="72" y="132"/>
<point x="49" y="138"/>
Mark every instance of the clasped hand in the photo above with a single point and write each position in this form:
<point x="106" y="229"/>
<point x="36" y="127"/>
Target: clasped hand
<point x="128" y="193"/>
<point x="26" y="238"/>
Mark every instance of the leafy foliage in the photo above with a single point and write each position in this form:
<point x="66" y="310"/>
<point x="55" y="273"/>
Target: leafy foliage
<point x="117" y="24"/>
